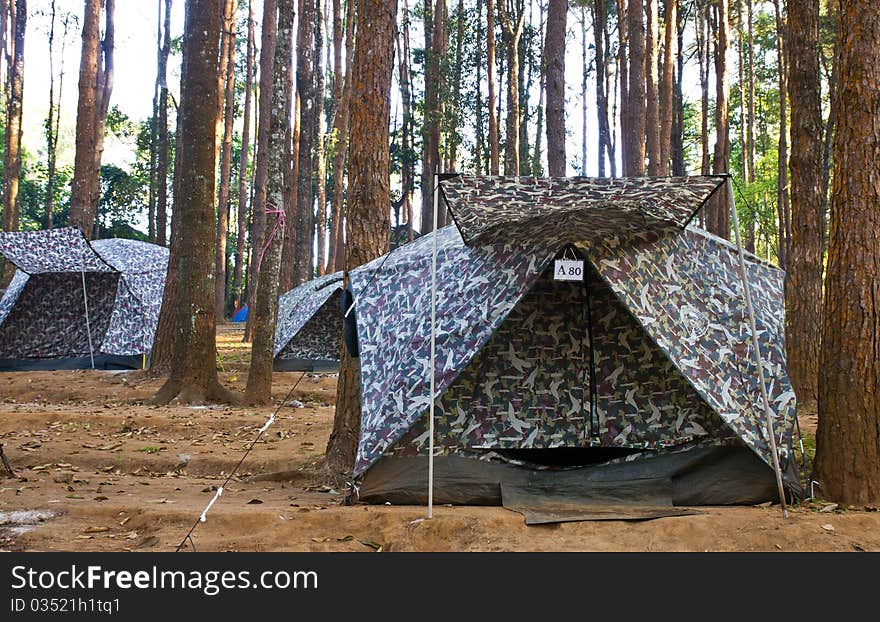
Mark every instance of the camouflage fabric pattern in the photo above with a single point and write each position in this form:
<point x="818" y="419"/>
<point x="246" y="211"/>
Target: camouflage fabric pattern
<point x="542" y="208"/>
<point x="51" y="250"/>
<point x="42" y="314"/>
<point x="309" y="324"/>
<point x="321" y="336"/>
<point x="660" y="288"/>
<point x="685" y="290"/>
<point x="476" y="289"/>
<point x="529" y="387"/>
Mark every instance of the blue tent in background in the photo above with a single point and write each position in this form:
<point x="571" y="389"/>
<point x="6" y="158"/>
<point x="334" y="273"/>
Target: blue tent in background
<point x="241" y="315"/>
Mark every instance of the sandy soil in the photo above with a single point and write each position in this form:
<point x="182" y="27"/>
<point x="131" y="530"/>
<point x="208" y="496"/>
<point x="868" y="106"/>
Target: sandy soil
<point x="99" y="470"/>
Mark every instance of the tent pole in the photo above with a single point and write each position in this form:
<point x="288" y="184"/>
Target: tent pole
<point x="433" y="348"/>
<point x="768" y="413"/>
<point x="88" y="324"/>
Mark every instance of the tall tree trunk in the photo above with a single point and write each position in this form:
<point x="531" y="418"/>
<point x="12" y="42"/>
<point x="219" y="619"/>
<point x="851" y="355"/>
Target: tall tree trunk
<point x="340" y="128"/>
<point x="703" y="55"/>
<point x="237" y="278"/>
<point x="227" y="114"/>
<point x="12" y="151"/>
<point x="269" y="34"/>
<point x="667" y="94"/>
<point x="600" y="36"/>
<point x="193" y="376"/>
<point x="162" y="157"/>
<point x="265" y="310"/>
<point x="407" y="172"/>
<point x="454" y="140"/>
<point x="652" y="87"/>
<point x="320" y="153"/>
<point x="678" y="164"/>
<point x="718" y="220"/>
<point x="305" y="86"/>
<point x="512" y="19"/>
<point x="480" y="162"/>
<point x="847" y="444"/>
<point x="51" y="124"/>
<point x="783" y="205"/>
<point x="434" y="87"/>
<point x="86" y="119"/>
<point x="104" y="89"/>
<point x="750" y="78"/>
<point x="291" y="145"/>
<point x="369" y="196"/>
<point x="623" y="78"/>
<point x="634" y="134"/>
<point x="554" y="59"/>
<point x="494" y="155"/>
<point x="803" y="289"/>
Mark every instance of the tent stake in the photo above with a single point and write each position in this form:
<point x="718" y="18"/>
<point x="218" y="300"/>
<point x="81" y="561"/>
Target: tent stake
<point x="768" y="413"/>
<point x="86" y="303"/>
<point x="433" y="348"/>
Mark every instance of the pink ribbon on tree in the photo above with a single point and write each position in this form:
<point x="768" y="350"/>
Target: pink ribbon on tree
<point x="271" y="208"/>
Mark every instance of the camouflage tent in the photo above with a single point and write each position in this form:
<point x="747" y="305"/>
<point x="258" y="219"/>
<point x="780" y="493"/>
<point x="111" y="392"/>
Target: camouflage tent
<point x="46" y="321"/>
<point x="645" y="365"/>
<point x="309" y="326"/>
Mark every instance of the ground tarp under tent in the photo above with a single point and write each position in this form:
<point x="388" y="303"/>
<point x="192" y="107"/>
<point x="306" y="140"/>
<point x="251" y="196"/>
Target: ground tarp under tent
<point x="309" y="327"/>
<point x="635" y="388"/>
<point x="77" y="304"/>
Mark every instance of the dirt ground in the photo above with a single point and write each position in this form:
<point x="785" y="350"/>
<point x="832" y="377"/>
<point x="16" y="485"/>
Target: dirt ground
<point x="100" y="470"/>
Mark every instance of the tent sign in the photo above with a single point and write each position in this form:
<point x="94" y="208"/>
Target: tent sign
<point x="568" y="270"/>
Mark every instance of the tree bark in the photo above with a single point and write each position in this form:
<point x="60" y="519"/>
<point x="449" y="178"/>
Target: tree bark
<point x="554" y="59"/>
<point x="623" y="79"/>
<point x="667" y="95"/>
<point x="783" y="206"/>
<point x="162" y="157"/>
<point x="494" y="155"/>
<point x="512" y="19"/>
<point x="368" y="233"/>
<point x="340" y="126"/>
<point x="227" y="114"/>
<point x="652" y="87"/>
<point x="718" y="219"/>
<point x="320" y="148"/>
<point x="847" y="444"/>
<point x="703" y="54"/>
<point x="265" y="310"/>
<point x="269" y="28"/>
<point x="238" y="275"/>
<point x="634" y="133"/>
<point x="407" y="173"/>
<point x="14" y="109"/>
<point x="193" y="376"/>
<point x="803" y="290"/>
<point x="309" y="111"/>
<point x="678" y="164"/>
<point x="104" y="89"/>
<point x="82" y="187"/>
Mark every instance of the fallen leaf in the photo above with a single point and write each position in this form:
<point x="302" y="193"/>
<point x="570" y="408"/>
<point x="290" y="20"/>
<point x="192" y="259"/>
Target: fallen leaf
<point x="74" y="496"/>
<point x="828" y="527"/>
<point x="101" y="498"/>
<point x="162" y="500"/>
<point x="857" y="547"/>
<point x="345" y="539"/>
<point x="254" y="502"/>
<point x="828" y="508"/>
<point x="124" y="520"/>
<point x="131" y="535"/>
<point x="96" y="529"/>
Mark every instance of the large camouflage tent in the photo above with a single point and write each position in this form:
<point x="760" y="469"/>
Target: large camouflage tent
<point x="309" y="326"/>
<point x="77" y="304"/>
<point x="637" y="385"/>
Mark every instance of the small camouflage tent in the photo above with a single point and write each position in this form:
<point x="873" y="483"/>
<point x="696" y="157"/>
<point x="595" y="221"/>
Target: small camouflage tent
<point x="636" y="384"/>
<point x="77" y="304"/>
<point x="309" y="326"/>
